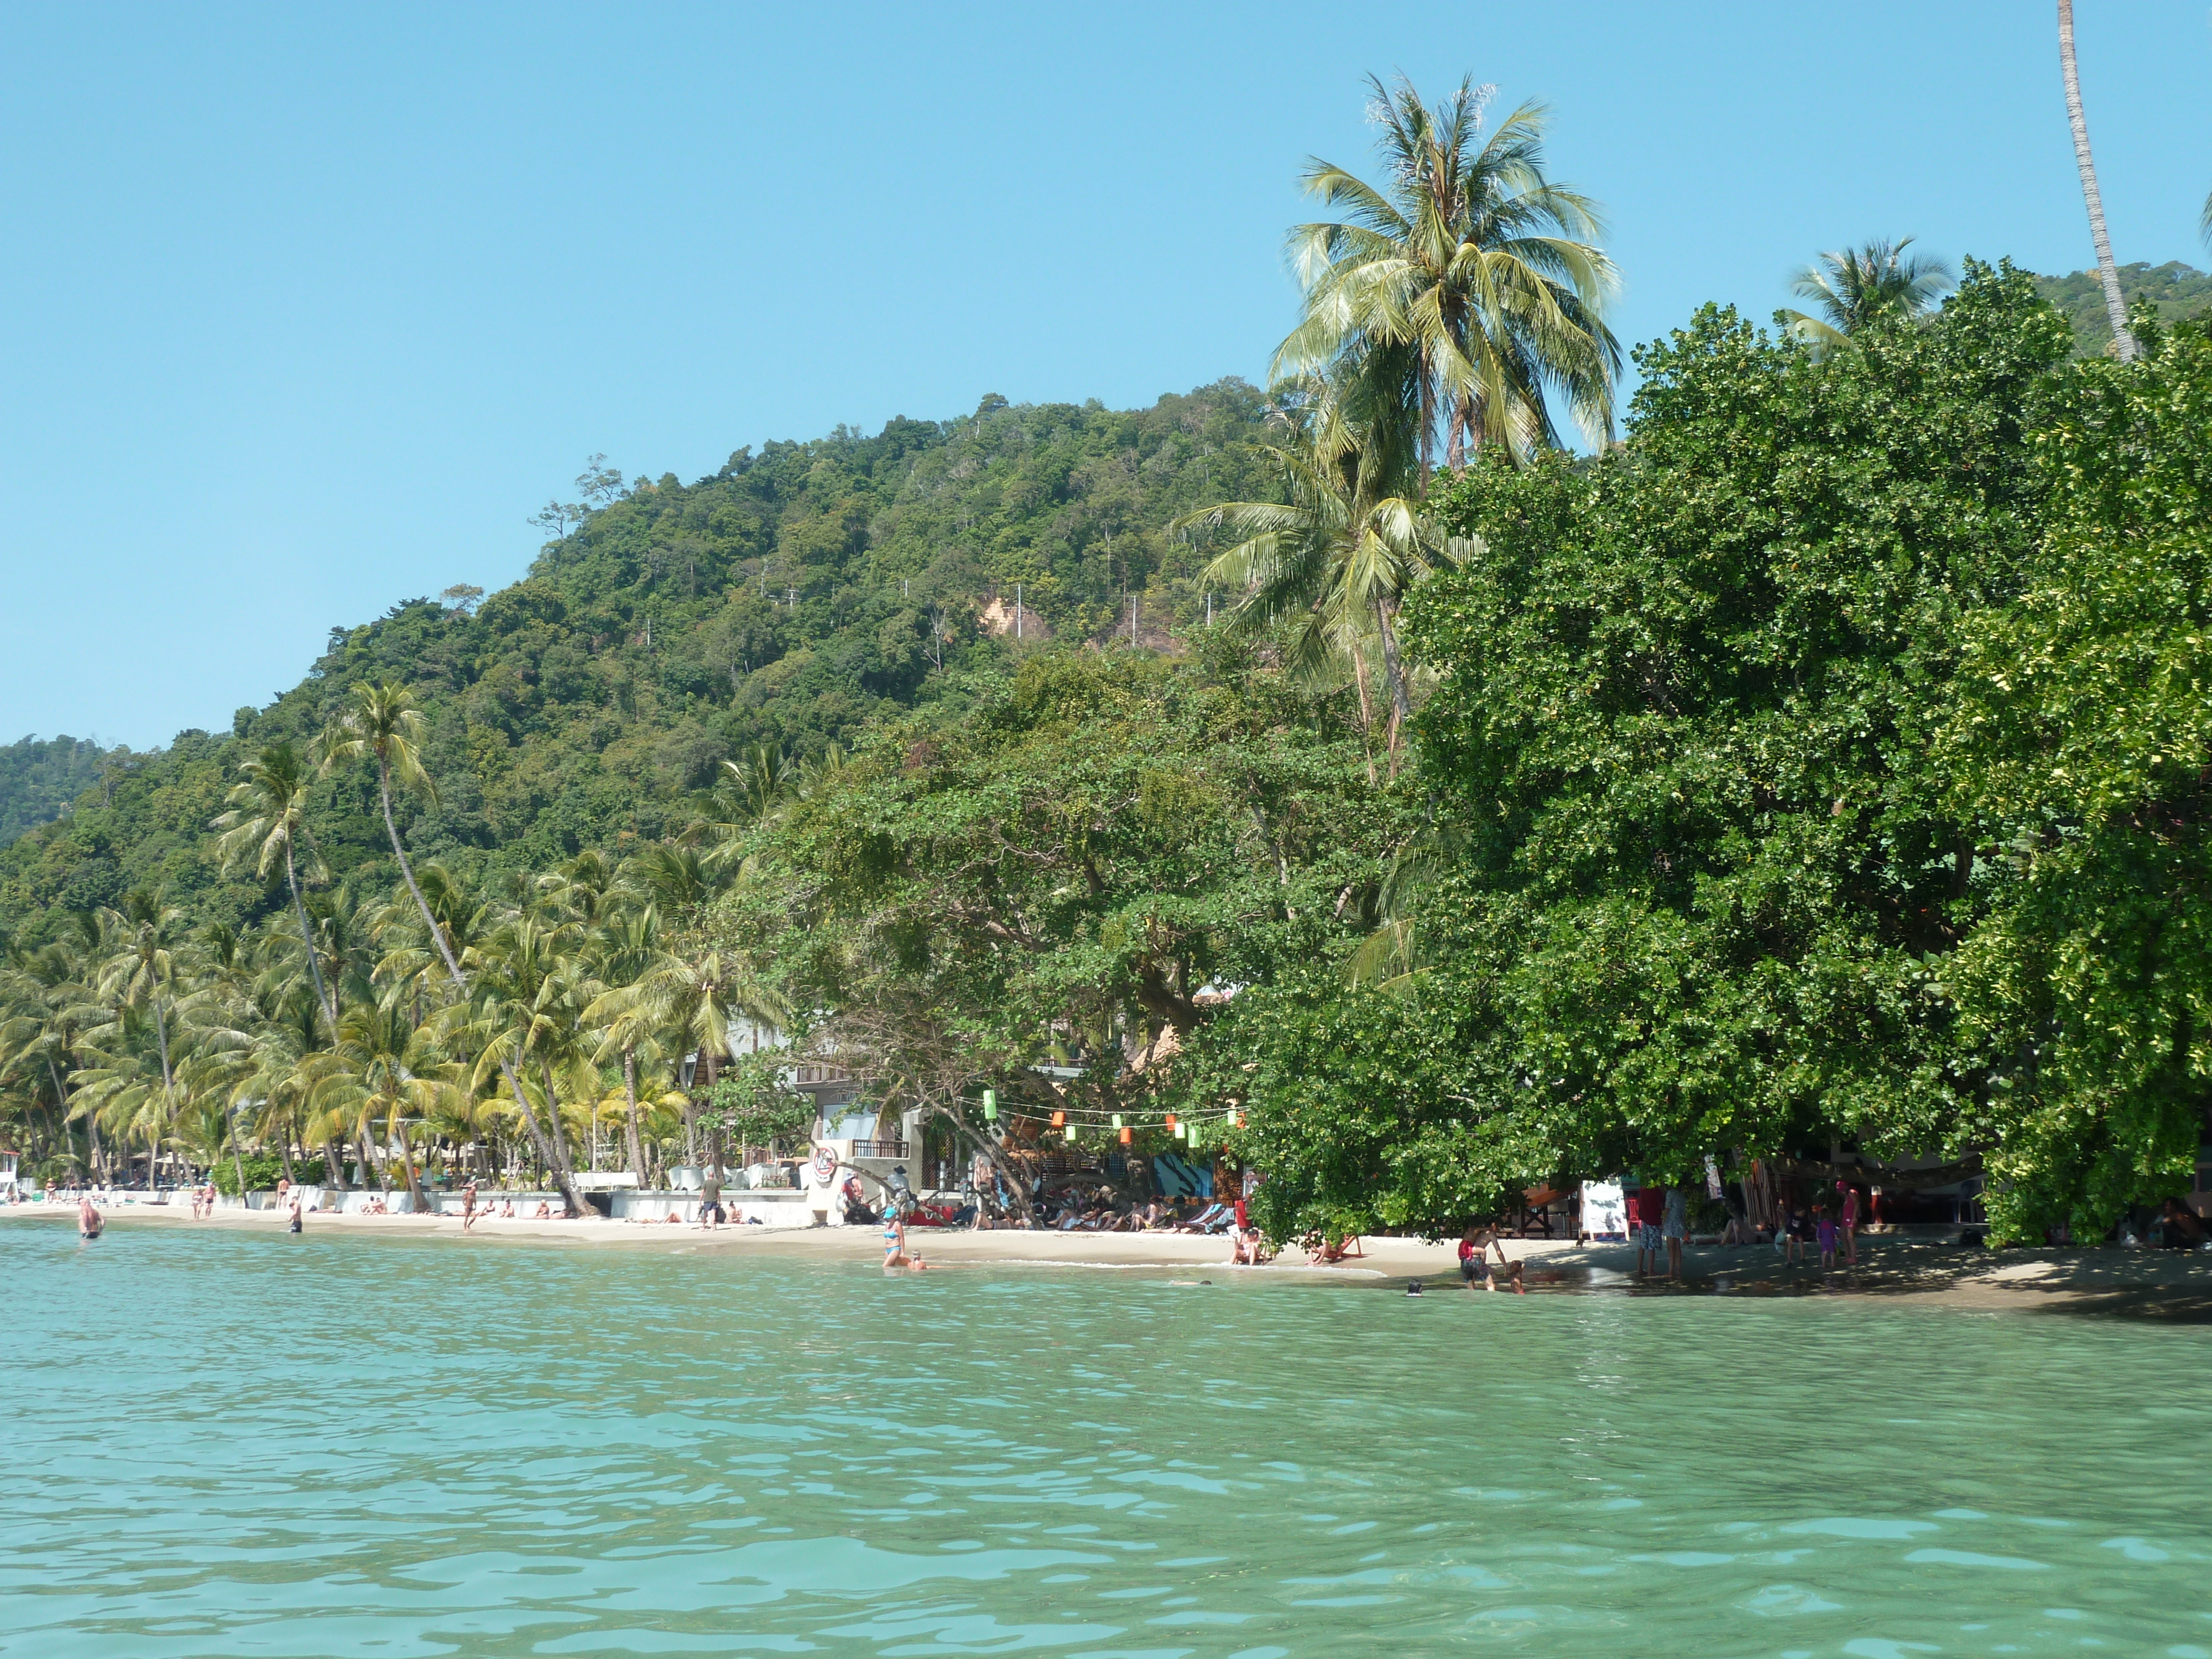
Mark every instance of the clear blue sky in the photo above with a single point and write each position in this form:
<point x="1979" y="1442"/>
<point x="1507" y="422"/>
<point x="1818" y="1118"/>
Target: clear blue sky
<point x="304" y="310"/>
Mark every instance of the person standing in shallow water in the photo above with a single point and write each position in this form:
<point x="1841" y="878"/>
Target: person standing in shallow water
<point x="89" y="1220"/>
<point x="1850" y="1223"/>
<point x="1673" y="1225"/>
<point x="293" y="1225"/>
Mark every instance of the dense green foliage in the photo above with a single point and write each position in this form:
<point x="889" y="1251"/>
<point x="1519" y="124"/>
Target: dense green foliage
<point x="786" y="601"/>
<point x="2083" y="745"/>
<point x="40" y="779"/>
<point x="2174" y="291"/>
<point x="1743" y="741"/>
<point x="1071" y="872"/>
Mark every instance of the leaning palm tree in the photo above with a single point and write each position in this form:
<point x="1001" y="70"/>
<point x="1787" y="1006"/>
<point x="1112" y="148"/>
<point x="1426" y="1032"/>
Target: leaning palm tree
<point x="1339" y="556"/>
<point x="1854" y="287"/>
<point x="1468" y="275"/>
<point x="385" y="723"/>
<point x="2107" y="273"/>
<point x="524" y="1010"/>
<point x="268" y="822"/>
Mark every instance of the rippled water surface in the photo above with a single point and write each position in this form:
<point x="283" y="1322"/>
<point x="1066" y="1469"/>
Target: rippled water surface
<point x="219" y="1443"/>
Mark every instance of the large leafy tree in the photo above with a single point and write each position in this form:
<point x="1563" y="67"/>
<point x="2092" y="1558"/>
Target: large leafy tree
<point x="2082" y="741"/>
<point x="1707" y="865"/>
<point x="1468" y="288"/>
<point x="1073" y="874"/>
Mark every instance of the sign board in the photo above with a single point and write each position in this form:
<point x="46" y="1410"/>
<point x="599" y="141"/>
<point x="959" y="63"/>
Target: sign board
<point x="1605" y="1212"/>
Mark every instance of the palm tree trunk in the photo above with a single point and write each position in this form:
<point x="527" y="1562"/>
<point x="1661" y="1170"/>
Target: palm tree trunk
<point x="629" y="1093"/>
<point x="2115" y="307"/>
<point x="332" y="1166"/>
<point x="307" y="944"/>
<point x="237" y="1161"/>
<point x="1393" y="672"/>
<point x="414" y="1199"/>
<point x="714" y="1130"/>
<point x="560" y="1167"/>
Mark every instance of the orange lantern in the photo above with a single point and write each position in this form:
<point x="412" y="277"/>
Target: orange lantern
<point x="1171" y="1126"/>
<point x="1125" y="1136"/>
<point x="1060" y="1120"/>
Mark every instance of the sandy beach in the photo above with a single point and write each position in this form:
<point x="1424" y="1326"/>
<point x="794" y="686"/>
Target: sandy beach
<point x="1907" y="1270"/>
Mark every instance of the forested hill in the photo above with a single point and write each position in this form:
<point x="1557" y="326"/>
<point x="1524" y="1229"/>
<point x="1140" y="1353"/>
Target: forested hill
<point x="2178" y="290"/>
<point x="782" y="600"/>
<point x="40" y="779"/>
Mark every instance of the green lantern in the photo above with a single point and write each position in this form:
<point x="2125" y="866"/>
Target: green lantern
<point x="990" y="1105"/>
<point x="1117" y="1120"/>
<point x="1069" y="1131"/>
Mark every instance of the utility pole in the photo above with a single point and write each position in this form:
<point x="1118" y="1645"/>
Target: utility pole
<point x="1018" y="611"/>
<point x="1132" y="621"/>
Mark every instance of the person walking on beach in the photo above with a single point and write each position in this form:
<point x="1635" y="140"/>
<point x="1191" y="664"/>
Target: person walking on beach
<point x="1673" y="1225"/>
<point x="469" y="1205"/>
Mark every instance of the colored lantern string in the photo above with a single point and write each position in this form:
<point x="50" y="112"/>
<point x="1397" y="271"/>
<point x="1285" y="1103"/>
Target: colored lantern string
<point x="1060" y="1120"/>
<point x="990" y="1104"/>
<point x="1069" y="1131"/>
<point x="1125" y="1137"/>
<point x="1117" y="1120"/>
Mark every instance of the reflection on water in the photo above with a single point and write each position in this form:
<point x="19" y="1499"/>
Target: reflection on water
<point x="225" y="1444"/>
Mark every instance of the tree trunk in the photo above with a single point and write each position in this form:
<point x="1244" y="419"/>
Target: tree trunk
<point x="237" y="1161"/>
<point x="559" y="1171"/>
<point x="330" y="1164"/>
<point x="1393" y="672"/>
<point x="415" y="1201"/>
<point x="714" y="1132"/>
<point x="307" y="943"/>
<point x="2107" y="274"/>
<point x="629" y="1093"/>
<point x="990" y="1149"/>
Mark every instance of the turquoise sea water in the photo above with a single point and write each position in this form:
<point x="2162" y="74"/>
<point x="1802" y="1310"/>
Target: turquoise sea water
<point x="217" y="1443"/>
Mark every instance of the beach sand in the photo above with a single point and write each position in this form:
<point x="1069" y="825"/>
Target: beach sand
<point x="1924" y="1270"/>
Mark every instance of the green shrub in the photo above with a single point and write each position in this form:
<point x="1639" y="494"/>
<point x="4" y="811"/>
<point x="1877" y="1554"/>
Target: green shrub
<point x="263" y="1172"/>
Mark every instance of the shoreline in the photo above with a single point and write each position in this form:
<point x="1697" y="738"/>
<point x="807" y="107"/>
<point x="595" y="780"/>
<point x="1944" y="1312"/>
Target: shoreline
<point x="1904" y="1270"/>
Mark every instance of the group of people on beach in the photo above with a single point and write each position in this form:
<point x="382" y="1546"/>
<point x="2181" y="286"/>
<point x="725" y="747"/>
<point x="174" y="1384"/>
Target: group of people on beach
<point x="1659" y="1222"/>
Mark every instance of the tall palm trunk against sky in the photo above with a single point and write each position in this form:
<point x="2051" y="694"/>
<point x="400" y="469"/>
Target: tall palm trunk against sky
<point x="2115" y="306"/>
<point x="387" y="723"/>
<point x="267" y="813"/>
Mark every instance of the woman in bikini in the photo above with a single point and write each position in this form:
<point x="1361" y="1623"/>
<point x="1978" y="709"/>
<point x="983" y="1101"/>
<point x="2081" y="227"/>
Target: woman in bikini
<point x="894" y="1251"/>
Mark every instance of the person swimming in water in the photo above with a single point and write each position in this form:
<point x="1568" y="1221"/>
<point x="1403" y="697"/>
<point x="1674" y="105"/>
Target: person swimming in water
<point x="89" y="1221"/>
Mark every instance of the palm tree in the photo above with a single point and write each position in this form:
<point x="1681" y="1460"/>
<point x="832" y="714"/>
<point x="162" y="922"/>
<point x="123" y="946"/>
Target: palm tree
<point x="382" y="1074"/>
<point x="2115" y="307"/>
<point x="1855" y="286"/>
<point x="1339" y="556"/>
<point x="146" y="939"/>
<point x="384" y="722"/>
<point x="1469" y="278"/>
<point x="620" y="951"/>
<point x="268" y="821"/>
<point x="525" y="1009"/>
<point x="695" y="1000"/>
